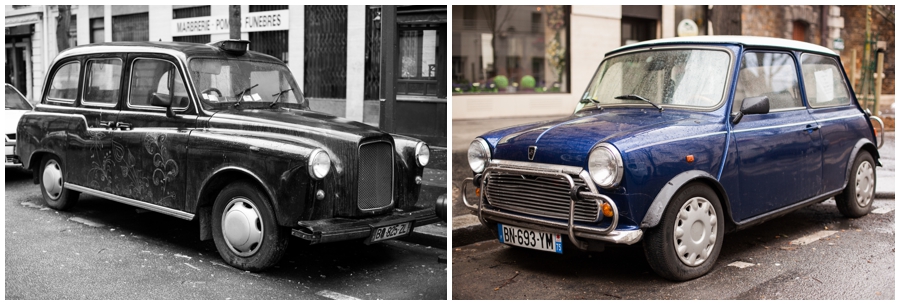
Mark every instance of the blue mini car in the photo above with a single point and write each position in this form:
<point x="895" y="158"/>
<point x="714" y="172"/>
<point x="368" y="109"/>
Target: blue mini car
<point x="676" y="142"/>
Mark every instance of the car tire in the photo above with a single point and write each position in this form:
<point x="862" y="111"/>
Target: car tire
<point x="857" y="198"/>
<point x="668" y="252"/>
<point x="245" y="231"/>
<point x="53" y="185"/>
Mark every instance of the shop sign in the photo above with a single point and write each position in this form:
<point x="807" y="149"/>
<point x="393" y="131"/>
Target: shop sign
<point x="688" y="27"/>
<point x="838" y="44"/>
<point x="265" y="21"/>
<point x="200" y="26"/>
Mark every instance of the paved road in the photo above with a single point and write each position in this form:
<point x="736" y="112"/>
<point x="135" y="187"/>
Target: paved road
<point x="106" y="250"/>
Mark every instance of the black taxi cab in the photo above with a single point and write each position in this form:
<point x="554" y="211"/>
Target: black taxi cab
<point x="221" y="135"/>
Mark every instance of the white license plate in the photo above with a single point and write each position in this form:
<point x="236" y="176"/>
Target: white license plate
<point x="529" y="238"/>
<point x="391" y="231"/>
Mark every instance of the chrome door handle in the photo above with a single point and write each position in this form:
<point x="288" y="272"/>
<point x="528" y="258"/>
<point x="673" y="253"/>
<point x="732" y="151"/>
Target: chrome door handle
<point x="811" y="127"/>
<point x="108" y="124"/>
<point x="123" y="126"/>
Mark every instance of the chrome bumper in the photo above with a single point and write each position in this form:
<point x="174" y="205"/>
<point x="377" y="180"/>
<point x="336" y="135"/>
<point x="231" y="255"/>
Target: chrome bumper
<point x="11" y="158"/>
<point x="574" y="231"/>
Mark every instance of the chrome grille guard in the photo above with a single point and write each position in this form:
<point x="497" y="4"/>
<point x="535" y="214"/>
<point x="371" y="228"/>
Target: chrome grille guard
<point x="574" y="231"/>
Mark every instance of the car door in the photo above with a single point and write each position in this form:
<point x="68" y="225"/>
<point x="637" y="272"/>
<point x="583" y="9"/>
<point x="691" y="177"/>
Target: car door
<point x="153" y="145"/>
<point x="778" y="153"/>
<point x="90" y="156"/>
<point x="829" y="100"/>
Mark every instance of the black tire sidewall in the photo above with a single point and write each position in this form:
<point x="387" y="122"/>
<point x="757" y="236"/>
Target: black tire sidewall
<point x="275" y="237"/>
<point x="660" y="248"/>
<point x="846" y="201"/>
<point x="67" y="197"/>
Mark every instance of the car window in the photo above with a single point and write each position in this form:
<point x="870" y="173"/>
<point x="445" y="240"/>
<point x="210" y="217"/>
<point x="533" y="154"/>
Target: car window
<point x="768" y="74"/>
<point x="823" y="81"/>
<point x="102" y="85"/>
<point x="223" y="82"/>
<point x="15" y="101"/>
<point x="65" y="82"/>
<point x="150" y="82"/>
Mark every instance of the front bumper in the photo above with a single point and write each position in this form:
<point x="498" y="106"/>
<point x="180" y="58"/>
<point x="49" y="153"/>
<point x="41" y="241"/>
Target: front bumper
<point x="574" y="231"/>
<point x="338" y="229"/>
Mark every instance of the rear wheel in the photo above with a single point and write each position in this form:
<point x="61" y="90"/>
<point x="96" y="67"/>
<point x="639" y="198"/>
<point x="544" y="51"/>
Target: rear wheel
<point x="688" y="239"/>
<point x="856" y="200"/>
<point x="245" y="231"/>
<point x="53" y="185"/>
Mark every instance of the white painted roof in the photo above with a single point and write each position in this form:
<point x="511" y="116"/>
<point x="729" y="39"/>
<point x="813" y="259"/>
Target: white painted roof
<point x="744" y="40"/>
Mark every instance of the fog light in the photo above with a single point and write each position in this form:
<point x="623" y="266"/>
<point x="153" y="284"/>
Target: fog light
<point x="607" y="210"/>
<point x="320" y="194"/>
<point x="418" y="180"/>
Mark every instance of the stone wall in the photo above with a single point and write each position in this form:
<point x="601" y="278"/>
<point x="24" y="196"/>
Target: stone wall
<point x="854" y="34"/>
<point x="778" y="21"/>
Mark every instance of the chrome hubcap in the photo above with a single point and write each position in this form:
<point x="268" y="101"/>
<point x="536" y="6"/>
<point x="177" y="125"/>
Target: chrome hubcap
<point x="52" y="179"/>
<point x="865" y="184"/>
<point x="695" y="231"/>
<point x="242" y="227"/>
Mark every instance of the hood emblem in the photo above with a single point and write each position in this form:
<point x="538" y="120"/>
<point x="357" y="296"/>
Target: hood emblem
<point x="531" y="150"/>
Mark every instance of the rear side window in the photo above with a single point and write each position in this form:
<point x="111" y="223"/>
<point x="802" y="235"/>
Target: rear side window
<point x="768" y="74"/>
<point x="102" y="85"/>
<point x="823" y="81"/>
<point x="155" y="80"/>
<point x="64" y="86"/>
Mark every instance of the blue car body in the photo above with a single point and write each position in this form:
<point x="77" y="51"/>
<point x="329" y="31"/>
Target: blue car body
<point x="766" y="165"/>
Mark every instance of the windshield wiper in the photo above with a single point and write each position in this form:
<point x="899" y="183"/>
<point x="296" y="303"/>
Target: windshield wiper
<point x="592" y="100"/>
<point x="278" y="97"/>
<point x="240" y="94"/>
<point x="638" y="97"/>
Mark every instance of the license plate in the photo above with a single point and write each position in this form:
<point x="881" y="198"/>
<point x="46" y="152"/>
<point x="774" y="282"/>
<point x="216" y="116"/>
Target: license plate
<point x="528" y="238"/>
<point x="391" y="231"/>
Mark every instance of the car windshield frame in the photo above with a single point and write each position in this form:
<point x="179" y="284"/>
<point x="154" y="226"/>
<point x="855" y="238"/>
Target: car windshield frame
<point x="18" y="100"/>
<point x="257" y="95"/>
<point x="589" y="100"/>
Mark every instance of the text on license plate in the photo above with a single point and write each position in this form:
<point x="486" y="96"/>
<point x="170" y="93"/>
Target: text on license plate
<point x="391" y="231"/>
<point x="529" y="238"/>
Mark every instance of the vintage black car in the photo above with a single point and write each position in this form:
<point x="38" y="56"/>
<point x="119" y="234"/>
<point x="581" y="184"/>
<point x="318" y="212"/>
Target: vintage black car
<point x="222" y="135"/>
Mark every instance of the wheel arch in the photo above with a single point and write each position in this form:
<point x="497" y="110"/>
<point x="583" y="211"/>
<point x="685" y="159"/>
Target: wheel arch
<point x="217" y="181"/>
<point x="658" y="207"/>
<point x="862" y="144"/>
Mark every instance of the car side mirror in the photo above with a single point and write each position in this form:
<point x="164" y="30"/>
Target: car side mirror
<point x="751" y="105"/>
<point x="163" y="100"/>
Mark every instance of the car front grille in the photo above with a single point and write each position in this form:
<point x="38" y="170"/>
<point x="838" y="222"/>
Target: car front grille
<point x="376" y="176"/>
<point x="538" y="195"/>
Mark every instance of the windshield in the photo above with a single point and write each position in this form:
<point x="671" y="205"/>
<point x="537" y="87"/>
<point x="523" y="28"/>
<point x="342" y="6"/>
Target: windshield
<point x="224" y="83"/>
<point x="14" y="100"/>
<point x="663" y="77"/>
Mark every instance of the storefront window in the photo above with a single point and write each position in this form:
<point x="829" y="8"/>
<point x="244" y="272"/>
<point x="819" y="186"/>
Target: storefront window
<point x="510" y="49"/>
<point x="418" y="59"/>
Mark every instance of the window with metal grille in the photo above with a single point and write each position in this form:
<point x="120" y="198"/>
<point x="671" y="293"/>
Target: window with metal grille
<point x="192" y="38"/>
<point x="134" y="27"/>
<point x="263" y="8"/>
<point x="325" y="51"/>
<point x="191" y="12"/>
<point x="274" y="43"/>
<point x="419" y="62"/>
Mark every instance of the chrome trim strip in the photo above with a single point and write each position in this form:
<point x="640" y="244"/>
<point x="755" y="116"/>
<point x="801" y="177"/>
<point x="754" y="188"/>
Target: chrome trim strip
<point x="787" y="109"/>
<point x="84" y="84"/>
<point x="151" y="107"/>
<point x="620" y="168"/>
<point x="840" y="117"/>
<point x="131" y="202"/>
<point x="615" y="236"/>
<point x="773" y="127"/>
<point x="571" y="170"/>
<point x="50" y="83"/>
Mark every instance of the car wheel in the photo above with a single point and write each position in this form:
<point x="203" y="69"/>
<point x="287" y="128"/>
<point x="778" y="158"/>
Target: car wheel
<point x="688" y="239"/>
<point x="244" y="228"/>
<point x="856" y="199"/>
<point x="53" y="185"/>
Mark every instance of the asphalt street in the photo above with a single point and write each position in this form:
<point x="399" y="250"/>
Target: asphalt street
<point x="835" y="257"/>
<point x="107" y="250"/>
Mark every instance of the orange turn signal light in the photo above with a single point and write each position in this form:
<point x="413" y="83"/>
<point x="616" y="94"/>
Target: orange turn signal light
<point x="690" y="158"/>
<point x="607" y="210"/>
<point x="477" y="192"/>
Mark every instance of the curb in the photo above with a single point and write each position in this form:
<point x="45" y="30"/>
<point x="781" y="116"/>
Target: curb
<point x="468" y="230"/>
<point x="433" y="235"/>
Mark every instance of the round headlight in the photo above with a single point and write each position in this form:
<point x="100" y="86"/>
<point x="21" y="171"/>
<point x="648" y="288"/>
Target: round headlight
<point x="319" y="164"/>
<point x="605" y="165"/>
<point x="423" y="154"/>
<point x="479" y="154"/>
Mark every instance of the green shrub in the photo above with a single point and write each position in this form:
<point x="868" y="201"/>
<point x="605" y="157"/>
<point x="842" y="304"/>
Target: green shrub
<point x="501" y="81"/>
<point x="527" y="82"/>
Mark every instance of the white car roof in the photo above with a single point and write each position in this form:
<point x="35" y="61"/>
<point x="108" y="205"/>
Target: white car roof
<point x="743" y="40"/>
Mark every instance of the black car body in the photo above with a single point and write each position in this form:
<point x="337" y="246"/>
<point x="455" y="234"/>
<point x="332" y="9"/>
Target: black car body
<point x="221" y="134"/>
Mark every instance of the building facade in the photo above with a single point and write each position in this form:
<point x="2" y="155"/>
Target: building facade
<point x="334" y="51"/>
<point x="559" y="48"/>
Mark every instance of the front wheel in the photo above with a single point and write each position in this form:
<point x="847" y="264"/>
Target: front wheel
<point x="245" y="231"/>
<point x="856" y="199"/>
<point x="687" y="242"/>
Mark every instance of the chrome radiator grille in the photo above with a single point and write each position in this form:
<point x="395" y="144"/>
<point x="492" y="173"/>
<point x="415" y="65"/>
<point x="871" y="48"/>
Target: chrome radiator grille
<point x="537" y="195"/>
<point x="376" y="176"/>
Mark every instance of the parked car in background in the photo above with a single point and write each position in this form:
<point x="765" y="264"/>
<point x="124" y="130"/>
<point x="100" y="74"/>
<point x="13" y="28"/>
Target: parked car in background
<point x="16" y="106"/>
<point x="676" y="142"/>
<point x="220" y="134"/>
